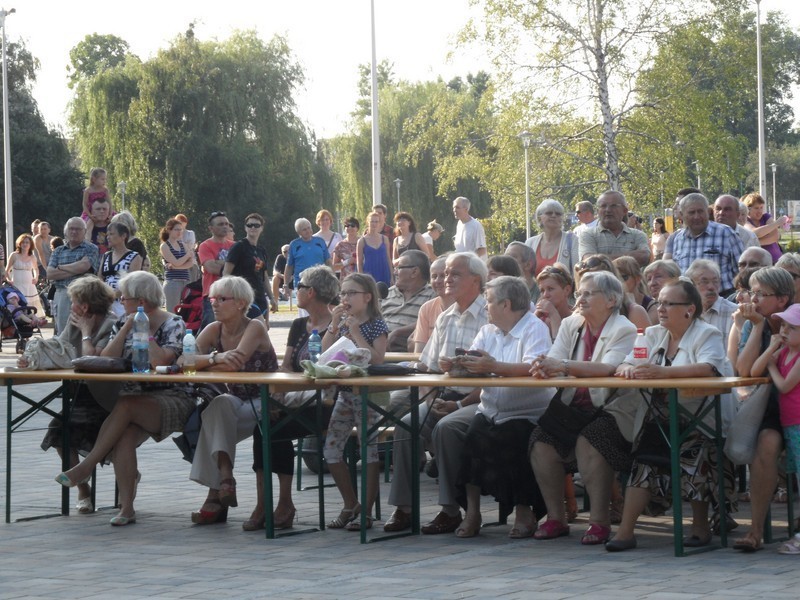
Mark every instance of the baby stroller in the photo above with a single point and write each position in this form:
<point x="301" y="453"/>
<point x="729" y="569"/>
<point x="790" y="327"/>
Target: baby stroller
<point x="190" y="308"/>
<point x="17" y="322"/>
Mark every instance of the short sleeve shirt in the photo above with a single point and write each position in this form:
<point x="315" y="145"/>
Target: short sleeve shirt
<point x="211" y="250"/>
<point x="304" y="254"/>
<point x="469" y="236"/>
<point x="601" y="240"/>
<point x="64" y="255"/>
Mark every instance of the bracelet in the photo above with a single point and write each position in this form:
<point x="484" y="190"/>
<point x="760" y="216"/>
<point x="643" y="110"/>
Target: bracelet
<point x="565" y="362"/>
<point x="330" y="329"/>
<point x="459" y="404"/>
<point x="86" y="338"/>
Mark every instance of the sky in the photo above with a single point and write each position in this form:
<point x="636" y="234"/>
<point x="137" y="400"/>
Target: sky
<point x="329" y="39"/>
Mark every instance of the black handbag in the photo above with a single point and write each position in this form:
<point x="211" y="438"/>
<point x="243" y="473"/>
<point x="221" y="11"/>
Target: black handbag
<point x="564" y="422"/>
<point x="651" y="446"/>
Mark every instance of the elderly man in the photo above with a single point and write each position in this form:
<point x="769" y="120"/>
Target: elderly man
<point x="726" y="211"/>
<point x="68" y="262"/>
<point x="526" y="259"/>
<point x="212" y="254"/>
<point x="410" y="291"/>
<point x="304" y="252"/>
<point x="447" y="417"/>
<point x="755" y="257"/>
<point x="701" y="238"/>
<point x="584" y="211"/>
<point x="612" y="236"/>
<point x="470" y="236"/>
<point x="717" y="311"/>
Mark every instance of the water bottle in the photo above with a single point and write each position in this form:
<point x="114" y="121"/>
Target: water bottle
<point x="141" y="343"/>
<point x="189" y="353"/>
<point x="314" y="346"/>
<point x="641" y="354"/>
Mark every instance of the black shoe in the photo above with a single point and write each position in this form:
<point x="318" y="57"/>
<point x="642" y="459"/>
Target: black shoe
<point x="620" y="545"/>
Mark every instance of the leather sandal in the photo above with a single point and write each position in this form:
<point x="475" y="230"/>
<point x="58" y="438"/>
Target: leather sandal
<point x="399" y="521"/>
<point x="208" y="517"/>
<point x="345" y="516"/>
<point x="227" y="493"/>
<point x="355" y="524"/>
<point x="596" y="534"/>
<point x="521" y="531"/>
<point x="442" y="523"/>
<point x="551" y="529"/>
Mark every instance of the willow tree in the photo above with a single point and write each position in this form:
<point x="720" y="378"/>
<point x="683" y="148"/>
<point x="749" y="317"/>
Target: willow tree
<point x="202" y="126"/>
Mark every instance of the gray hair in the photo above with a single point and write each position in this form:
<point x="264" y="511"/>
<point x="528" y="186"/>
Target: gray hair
<point x="585" y="205"/>
<point x="528" y="253"/>
<point x="693" y="198"/>
<point x="546" y="205"/>
<point x="759" y="254"/>
<point x="619" y="195"/>
<point x="74" y="220"/>
<point x="440" y="262"/>
<point x="142" y="285"/>
<point x="236" y="287"/>
<point x="513" y="289"/>
<point x="126" y="219"/>
<point x="419" y="259"/>
<point x="776" y="279"/>
<point x="790" y="259"/>
<point x="475" y="265"/>
<point x="323" y="281"/>
<point x="703" y="264"/>
<point x="743" y="209"/>
<point x="464" y="201"/>
<point x="301" y="223"/>
<point x="670" y="267"/>
<point x="608" y="284"/>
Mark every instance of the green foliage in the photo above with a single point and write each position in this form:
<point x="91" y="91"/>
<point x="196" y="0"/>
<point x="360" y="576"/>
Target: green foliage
<point x="202" y="126"/>
<point x="95" y="53"/>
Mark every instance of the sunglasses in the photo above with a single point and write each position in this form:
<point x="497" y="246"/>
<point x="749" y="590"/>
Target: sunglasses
<point x="252" y="225"/>
<point x="216" y="214"/>
<point x="588" y="265"/>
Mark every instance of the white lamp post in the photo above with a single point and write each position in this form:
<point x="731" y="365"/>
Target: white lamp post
<point x="762" y="169"/>
<point x="774" y="168"/>
<point x="121" y="186"/>
<point x="697" y="166"/>
<point x="397" y="182"/>
<point x="525" y="136"/>
<point x="7" y="139"/>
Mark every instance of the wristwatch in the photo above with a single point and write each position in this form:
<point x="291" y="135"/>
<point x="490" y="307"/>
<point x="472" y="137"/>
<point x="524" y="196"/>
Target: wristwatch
<point x="212" y="359"/>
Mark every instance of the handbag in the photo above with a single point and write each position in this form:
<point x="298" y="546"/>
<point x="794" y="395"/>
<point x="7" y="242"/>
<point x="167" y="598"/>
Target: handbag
<point x="651" y="446"/>
<point x="740" y="446"/>
<point x="564" y="422"/>
<point x="47" y="354"/>
<point x="391" y="369"/>
<point x="101" y="364"/>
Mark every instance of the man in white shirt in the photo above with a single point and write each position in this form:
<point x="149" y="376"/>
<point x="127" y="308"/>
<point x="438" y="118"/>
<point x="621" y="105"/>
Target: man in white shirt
<point x="717" y="311"/>
<point x="470" y="236"/>
<point x="726" y="211"/>
<point x="585" y="212"/>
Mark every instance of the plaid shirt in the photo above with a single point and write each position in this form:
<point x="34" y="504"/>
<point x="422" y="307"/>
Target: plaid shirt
<point x="64" y="255"/>
<point x="717" y="242"/>
<point x="720" y="315"/>
<point x="454" y="329"/>
<point x="601" y="240"/>
<point x="399" y="312"/>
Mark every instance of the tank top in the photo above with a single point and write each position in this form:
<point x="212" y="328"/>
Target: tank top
<point x="111" y="271"/>
<point x="376" y="263"/>
<point x="412" y="245"/>
<point x="177" y="274"/>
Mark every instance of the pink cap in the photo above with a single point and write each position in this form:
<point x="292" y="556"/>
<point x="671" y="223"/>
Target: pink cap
<point x="791" y="315"/>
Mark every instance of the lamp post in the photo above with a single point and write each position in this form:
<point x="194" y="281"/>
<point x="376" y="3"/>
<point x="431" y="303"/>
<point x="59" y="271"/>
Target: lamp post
<point x="525" y="136"/>
<point x="376" y="138"/>
<point x="697" y="167"/>
<point x="774" y="168"/>
<point x="7" y="139"/>
<point x="762" y="169"/>
<point x="397" y="182"/>
<point x="121" y="186"/>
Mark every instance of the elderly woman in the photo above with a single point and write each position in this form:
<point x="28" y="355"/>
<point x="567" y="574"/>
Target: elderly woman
<point x="760" y="222"/>
<point x="790" y="262"/>
<point x="590" y="343"/>
<point x="681" y="345"/>
<point x="88" y="331"/>
<point x="494" y="449"/>
<point x="635" y="313"/>
<point x="430" y="311"/>
<point x="143" y="409"/>
<point x="406" y="236"/>
<point x="118" y="260"/>
<point x="771" y="291"/>
<point x="331" y="238"/>
<point x="554" y="305"/>
<point x="233" y="342"/>
<point x="553" y="244"/>
<point x="630" y="271"/>
<point x="317" y="289"/>
<point x="658" y="273"/>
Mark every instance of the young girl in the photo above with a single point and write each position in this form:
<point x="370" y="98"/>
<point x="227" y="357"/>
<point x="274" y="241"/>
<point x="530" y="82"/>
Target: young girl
<point x="781" y="359"/>
<point x="358" y="317"/>
<point x="97" y="189"/>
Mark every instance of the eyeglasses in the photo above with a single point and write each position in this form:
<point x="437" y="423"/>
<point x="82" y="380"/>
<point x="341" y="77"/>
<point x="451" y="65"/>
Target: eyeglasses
<point x="252" y="225"/>
<point x="348" y="293"/>
<point x="553" y="213"/>
<point x="350" y="225"/>
<point x="588" y="265"/>
<point x="587" y="294"/>
<point x="303" y="286"/>
<point x="219" y="299"/>
<point x="215" y="214"/>
<point x="704" y="281"/>
<point x="666" y="304"/>
<point x="752" y="263"/>
<point x="759" y="295"/>
<point x="550" y="270"/>
<point x="125" y="299"/>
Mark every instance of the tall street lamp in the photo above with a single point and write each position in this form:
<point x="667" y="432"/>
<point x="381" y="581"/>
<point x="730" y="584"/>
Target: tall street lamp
<point x="774" y="168"/>
<point x="525" y="136"/>
<point x="121" y="186"/>
<point x="397" y="182"/>
<point x="762" y="169"/>
<point x="7" y="139"/>
<point x="697" y="166"/>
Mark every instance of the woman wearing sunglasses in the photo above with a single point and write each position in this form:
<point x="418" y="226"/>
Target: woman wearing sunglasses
<point x="248" y="260"/>
<point x="553" y="244"/>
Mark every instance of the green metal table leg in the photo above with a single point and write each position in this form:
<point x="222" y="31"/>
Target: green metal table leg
<point x="266" y="455"/>
<point x="675" y="469"/>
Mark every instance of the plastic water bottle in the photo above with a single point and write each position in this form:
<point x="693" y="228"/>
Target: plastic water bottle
<point x="189" y="353"/>
<point x="641" y="353"/>
<point x="314" y="346"/>
<point x="141" y="344"/>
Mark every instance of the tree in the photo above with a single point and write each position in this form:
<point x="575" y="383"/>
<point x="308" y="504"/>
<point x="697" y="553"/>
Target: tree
<point x="202" y="126"/>
<point x="95" y="53"/>
<point x="44" y="183"/>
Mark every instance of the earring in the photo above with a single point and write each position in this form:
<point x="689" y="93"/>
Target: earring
<point x="687" y="314"/>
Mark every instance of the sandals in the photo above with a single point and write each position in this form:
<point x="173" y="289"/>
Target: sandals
<point x="346" y="516"/>
<point x="551" y="529"/>
<point x="781" y="496"/>
<point x="522" y="531"/>
<point x="355" y="524"/>
<point x="790" y="547"/>
<point x="209" y="517"/>
<point x="596" y="534"/>
<point x="467" y="529"/>
<point x="227" y="493"/>
<point x="748" y="544"/>
<point x="85" y="506"/>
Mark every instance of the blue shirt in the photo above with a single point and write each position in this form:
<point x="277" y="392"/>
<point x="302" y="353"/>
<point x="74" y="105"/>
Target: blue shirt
<point x="304" y="254"/>
<point x="717" y="242"/>
<point x="64" y="255"/>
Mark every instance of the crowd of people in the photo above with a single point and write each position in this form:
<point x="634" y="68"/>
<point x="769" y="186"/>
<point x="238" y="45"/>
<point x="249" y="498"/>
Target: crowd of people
<point x="714" y="297"/>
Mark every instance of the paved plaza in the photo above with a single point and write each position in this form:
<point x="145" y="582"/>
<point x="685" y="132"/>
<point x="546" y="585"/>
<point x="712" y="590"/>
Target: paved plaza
<point x="165" y="556"/>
